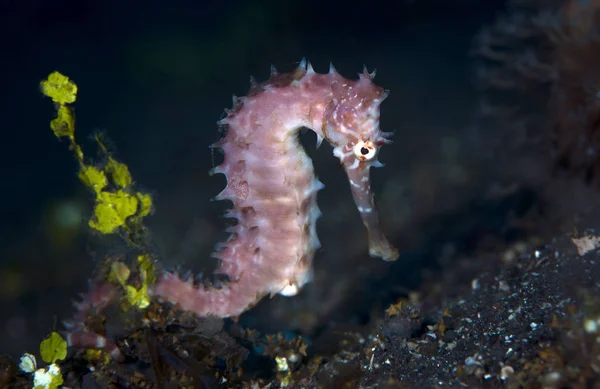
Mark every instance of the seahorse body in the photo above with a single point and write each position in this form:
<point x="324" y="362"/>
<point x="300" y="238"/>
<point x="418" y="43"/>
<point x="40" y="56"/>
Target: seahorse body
<point x="272" y="185"/>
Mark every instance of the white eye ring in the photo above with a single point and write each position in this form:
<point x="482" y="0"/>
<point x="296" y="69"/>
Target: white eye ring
<point x="365" y="150"/>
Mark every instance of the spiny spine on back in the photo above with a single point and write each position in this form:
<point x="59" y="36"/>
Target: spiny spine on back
<point x="248" y="231"/>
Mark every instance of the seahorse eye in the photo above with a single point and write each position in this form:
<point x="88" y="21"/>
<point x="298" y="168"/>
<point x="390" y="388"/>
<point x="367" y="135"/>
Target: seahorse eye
<point x="365" y="150"/>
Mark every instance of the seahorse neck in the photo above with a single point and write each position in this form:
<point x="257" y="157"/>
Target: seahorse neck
<point x="302" y="103"/>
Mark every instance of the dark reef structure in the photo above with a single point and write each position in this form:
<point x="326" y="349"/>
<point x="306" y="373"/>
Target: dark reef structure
<point x="539" y="70"/>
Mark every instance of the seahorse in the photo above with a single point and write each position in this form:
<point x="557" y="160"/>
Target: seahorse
<point x="273" y="188"/>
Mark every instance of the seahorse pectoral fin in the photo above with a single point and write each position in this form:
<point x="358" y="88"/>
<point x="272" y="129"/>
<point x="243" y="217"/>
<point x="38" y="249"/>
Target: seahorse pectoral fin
<point x="360" y="185"/>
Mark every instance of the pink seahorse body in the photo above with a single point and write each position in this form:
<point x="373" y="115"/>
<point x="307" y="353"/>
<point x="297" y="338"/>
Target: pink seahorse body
<point x="273" y="188"/>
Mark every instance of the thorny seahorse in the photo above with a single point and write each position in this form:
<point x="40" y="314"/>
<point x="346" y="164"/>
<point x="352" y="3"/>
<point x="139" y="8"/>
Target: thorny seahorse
<point x="272" y="185"/>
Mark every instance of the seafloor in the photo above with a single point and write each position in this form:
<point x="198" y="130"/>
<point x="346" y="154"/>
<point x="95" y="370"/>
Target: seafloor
<point x="527" y="316"/>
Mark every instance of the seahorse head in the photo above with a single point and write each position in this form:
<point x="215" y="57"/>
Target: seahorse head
<point x="351" y="125"/>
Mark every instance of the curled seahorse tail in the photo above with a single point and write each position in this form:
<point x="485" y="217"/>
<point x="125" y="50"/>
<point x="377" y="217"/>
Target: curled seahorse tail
<point x="230" y="300"/>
